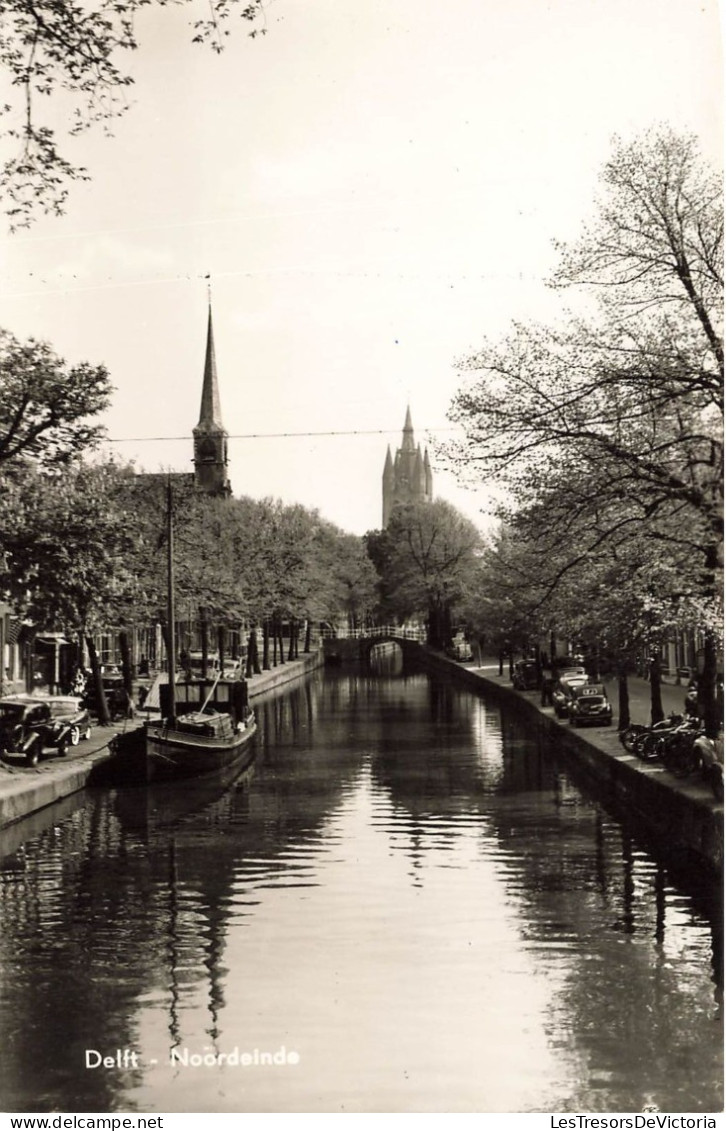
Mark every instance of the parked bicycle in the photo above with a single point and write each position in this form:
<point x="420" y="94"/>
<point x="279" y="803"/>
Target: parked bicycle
<point x="641" y="738"/>
<point x="678" y="749"/>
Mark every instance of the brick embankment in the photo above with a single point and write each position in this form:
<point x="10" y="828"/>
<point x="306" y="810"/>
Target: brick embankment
<point x="25" y="789"/>
<point x="682" y="816"/>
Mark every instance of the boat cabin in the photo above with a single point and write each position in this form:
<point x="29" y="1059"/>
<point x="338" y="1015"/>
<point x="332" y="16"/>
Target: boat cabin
<point x="227" y="698"/>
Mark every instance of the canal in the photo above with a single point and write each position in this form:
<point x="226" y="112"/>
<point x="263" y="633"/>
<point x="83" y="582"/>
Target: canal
<point x="409" y="905"/>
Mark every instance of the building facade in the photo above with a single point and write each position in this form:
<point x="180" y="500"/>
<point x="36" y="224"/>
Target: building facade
<point x="407" y="477"/>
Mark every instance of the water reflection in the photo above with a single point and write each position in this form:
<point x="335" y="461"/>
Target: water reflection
<point x="386" y="659"/>
<point x="410" y="891"/>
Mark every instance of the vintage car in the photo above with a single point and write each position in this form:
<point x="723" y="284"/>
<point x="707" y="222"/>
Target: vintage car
<point x="565" y="688"/>
<point x="29" y="725"/>
<point x="525" y="676"/>
<point x="590" y="704"/>
<point x="69" y="709"/>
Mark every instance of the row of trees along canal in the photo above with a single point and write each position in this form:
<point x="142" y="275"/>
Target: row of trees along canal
<point x="603" y="431"/>
<point x="84" y="548"/>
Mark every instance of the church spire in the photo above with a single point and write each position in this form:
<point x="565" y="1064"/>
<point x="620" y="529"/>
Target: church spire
<point x="210" y="413"/>
<point x="210" y="435"/>
<point x="408" y="444"/>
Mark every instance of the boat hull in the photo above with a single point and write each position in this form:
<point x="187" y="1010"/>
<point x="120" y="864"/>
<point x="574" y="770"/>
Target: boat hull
<point x="172" y="754"/>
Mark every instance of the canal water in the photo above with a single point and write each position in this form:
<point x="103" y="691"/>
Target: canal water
<point x="409" y="905"/>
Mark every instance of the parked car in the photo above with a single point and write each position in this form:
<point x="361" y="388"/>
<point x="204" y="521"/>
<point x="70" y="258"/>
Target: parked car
<point x="69" y="709"/>
<point x="590" y="704"/>
<point x="117" y="699"/>
<point x="561" y="695"/>
<point x="565" y="688"/>
<point x="573" y="673"/>
<point x="29" y="725"/>
<point x="525" y="676"/>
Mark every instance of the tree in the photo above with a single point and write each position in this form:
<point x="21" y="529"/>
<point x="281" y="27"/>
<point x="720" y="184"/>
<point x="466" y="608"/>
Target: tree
<point x="353" y="578"/>
<point x="45" y="405"/>
<point x="428" y="557"/>
<point x="657" y="244"/>
<point x="608" y="426"/>
<point x="626" y="407"/>
<point x="506" y="607"/>
<point x="48" y="47"/>
<point x="68" y="550"/>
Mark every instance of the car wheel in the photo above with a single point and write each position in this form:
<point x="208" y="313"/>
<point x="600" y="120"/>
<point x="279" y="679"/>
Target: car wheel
<point x="87" y="733"/>
<point x="75" y="736"/>
<point x="33" y="755"/>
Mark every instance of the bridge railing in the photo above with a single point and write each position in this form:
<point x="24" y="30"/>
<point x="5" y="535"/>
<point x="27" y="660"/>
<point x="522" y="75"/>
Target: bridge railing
<point x="395" y="631"/>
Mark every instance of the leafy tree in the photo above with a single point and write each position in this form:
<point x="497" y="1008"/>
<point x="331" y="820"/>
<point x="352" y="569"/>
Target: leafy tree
<point x="84" y="550"/>
<point x="657" y="247"/>
<point x="428" y="554"/>
<point x="50" y="47"/>
<point x="45" y="405"/>
<point x="267" y="563"/>
<point x="505" y="607"/>
<point x="353" y="588"/>
<point x="67" y="548"/>
<point x="391" y="605"/>
<point x="608" y="427"/>
<point x="625" y="407"/>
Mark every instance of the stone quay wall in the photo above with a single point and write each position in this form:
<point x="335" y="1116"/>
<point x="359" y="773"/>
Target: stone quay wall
<point x="681" y="819"/>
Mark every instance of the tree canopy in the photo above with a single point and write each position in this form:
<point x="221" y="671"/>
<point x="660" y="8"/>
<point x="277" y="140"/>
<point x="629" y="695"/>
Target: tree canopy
<point x="46" y="406"/>
<point x="85" y="551"/>
<point x="613" y="420"/>
<point x="426" y="560"/>
<point x="605" y="428"/>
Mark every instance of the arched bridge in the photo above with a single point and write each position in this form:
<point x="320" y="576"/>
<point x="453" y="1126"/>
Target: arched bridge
<point x="356" y="643"/>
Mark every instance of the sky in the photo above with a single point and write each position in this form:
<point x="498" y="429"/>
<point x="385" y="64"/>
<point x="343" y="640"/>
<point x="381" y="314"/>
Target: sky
<point x="373" y="188"/>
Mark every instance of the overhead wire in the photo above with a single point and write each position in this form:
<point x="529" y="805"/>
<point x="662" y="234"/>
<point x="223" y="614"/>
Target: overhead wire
<point x="268" y="435"/>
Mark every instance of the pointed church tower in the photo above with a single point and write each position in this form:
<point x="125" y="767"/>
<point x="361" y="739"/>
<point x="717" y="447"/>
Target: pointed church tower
<point x="407" y="477"/>
<point x="210" y="435"/>
<point x="408" y="444"/>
